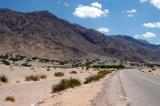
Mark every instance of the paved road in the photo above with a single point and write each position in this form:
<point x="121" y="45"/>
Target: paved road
<point x="140" y="88"/>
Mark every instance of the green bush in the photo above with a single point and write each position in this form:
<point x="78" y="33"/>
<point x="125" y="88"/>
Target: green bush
<point x="97" y="77"/>
<point x="26" y="65"/>
<point x="109" y="66"/>
<point x="65" y="83"/>
<point x="5" y="62"/>
<point x="58" y="74"/>
<point x="3" y="78"/>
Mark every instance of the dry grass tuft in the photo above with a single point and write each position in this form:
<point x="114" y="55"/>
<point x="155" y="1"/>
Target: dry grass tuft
<point x="43" y="76"/>
<point x="73" y="72"/>
<point x="10" y="98"/>
<point x="59" y="74"/>
<point x="3" y="78"/>
<point x="35" y="77"/>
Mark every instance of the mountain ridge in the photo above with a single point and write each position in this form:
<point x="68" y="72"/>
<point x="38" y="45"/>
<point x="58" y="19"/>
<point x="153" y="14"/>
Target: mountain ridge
<point x="42" y="34"/>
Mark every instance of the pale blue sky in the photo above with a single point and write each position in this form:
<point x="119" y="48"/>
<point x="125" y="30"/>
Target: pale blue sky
<point x="125" y="17"/>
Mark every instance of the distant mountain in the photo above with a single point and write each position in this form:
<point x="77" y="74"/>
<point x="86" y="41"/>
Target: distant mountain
<point x="143" y="41"/>
<point x="42" y="34"/>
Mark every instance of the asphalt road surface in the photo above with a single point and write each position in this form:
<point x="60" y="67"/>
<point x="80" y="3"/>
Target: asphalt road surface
<point x="141" y="89"/>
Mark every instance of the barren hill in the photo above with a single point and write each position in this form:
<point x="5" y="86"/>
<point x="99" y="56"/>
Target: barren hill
<point x="42" y="34"/>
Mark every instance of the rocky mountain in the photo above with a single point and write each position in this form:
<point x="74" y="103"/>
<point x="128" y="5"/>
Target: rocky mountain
<point x="42" y="34"/>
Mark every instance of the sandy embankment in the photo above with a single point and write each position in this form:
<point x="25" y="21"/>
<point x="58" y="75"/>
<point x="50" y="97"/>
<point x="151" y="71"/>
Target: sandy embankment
<point x="80" y="96"/>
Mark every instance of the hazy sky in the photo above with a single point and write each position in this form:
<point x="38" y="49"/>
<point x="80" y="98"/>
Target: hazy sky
<point x="136" y="18"/>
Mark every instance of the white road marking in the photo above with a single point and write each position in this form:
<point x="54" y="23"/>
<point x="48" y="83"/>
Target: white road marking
<point x="155" y="82"/>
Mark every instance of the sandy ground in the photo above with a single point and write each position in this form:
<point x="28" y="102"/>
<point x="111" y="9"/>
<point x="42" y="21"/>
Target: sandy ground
<point x="155" y="71"/>
<point x="81" y="96"/>
<point x="29" y="93"/>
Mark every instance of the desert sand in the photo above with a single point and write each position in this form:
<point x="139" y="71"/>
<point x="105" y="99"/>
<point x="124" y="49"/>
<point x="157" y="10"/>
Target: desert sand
<point x="38" y="93"/>
<point x="152" y="71"/>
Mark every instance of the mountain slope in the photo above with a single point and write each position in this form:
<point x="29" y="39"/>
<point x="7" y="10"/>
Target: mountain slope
<point x="41" y="34"/>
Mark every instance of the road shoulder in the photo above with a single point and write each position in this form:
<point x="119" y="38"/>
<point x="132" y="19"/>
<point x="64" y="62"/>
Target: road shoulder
<point x="112" y="93"/>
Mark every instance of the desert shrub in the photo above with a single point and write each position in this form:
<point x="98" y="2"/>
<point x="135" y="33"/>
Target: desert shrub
<point x="58" y="74"/>
<point x="65" y="83"/>
<point x="35" y="77"/>
<point x="3" y="78"/>
<point x="10" y="98"/>
<point x="13" y="59"/>
<point x="34" y="58"/>
<point x="32" y="78"/>
<point x="61" y="62"/>
<point x="104" y="72"/>
<point x="26" y="65"/>
<point x="5" y="62"/>
<point x="87" y="67"/>
<point x="43" y="76"/>
<point x="92" y="78"/>
<point x="44" y="60"/>
<point x="153" y="69"/>
<point x="73" y="72"/>
<point x="97" y="77"/>
<point x="48" y="69"/>
<point x="109" y="66"/>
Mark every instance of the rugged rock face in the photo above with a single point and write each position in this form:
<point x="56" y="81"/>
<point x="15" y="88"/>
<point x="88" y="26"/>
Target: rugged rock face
<point x="41" y="34"/>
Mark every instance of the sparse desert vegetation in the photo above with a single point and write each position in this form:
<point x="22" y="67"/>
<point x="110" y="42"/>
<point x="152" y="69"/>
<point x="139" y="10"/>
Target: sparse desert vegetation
<point x="48" y="69"/>
<point x="41" y="53"/>
<point x="104" y="72"/>
<point x="43" y="76"/>
<point x="59" y="74"/>
<point x="5" y="62"/>
<point x="152" y="71"/>
<point x="65" y="83"/>
<point x="26" y="64"/>
<point x="73" y="72"/>
<point x="101" y="74"/>
<point x="109" y="66"/>
<point x="35" y="77"/>
<point x="32" y="78"/>
<point x="28" y="78"/>
<point x="3" y="78"/>
<point x="10" y="98"/>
